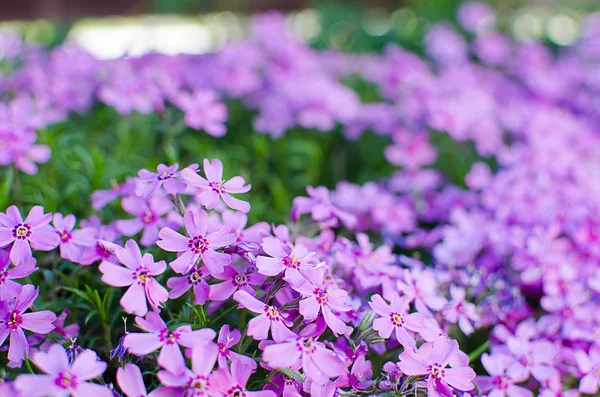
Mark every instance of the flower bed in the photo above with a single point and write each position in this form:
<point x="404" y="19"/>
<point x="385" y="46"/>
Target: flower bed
<point x="461" y="256"/>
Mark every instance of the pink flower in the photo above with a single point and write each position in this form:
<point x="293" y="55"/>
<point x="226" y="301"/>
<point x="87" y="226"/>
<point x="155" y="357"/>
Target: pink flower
<point x="589" y="365"/>
<point x="148" y="217"/>
<point x="293" y="261"/>
<point x="160" y="337"/>
<point x="131" y="382"/>
<point x="8" y="288"/>
<point x="138" y="274"/>
<point x="358" y="377"/>
<point x="225" y="342"/>
<point x="270" y="318"/>
<point x="318" y="362"/>
<point x="34" y="230"/>
<point x="166" y="177"/>
<point x="62" y="379"/>
<point x="535" y="358"/>
<point x="395" y="318"/>
<point x="430" y="360"/>
<point x="195" y="280"/>
<point x="13" y="321"/>
<point x="202" y="111"/>
<point x="196" y="380"/>
<point x="499" y="383"/>
<point x="72" y="243"/>
<point x="320" y="299"/>
<point x="232" y="383"/>
<point x="421" y="287"/>
<point x="321" y="208"/>
<point x="214" y="186"/>
<point x="199" y="244"/>
<point x="460" y="311"/>
<point x="235" y="279"/>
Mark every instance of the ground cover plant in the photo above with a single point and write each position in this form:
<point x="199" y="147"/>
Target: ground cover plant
<point x="275" y="220"/>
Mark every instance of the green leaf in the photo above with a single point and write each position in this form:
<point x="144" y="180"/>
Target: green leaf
<point x="292" y="374"/>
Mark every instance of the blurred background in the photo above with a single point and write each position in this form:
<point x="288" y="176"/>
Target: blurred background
<point x="113" y="28"/>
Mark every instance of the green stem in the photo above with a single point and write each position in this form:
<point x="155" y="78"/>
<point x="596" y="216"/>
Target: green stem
<point x="475" y="354"/>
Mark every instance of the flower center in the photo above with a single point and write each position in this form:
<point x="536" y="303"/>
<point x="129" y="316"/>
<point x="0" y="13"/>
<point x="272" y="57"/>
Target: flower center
<point x="141" y="274"/>
<point x="22" y="231"/>
<point x="240" y="280"/>
<point x="396" y="319"/>
<point x="164" y="175"/>
<point x="501" y="382"/>
<point x="102" y="252"/>
<point x="272" y="313"/>
<point x="320" y="296"/>
<point x="198" y="244"/>
<point x="14" y="320"/>
<point x="195" y="276"/>
<point x="436" y="370"/>
<point x="307" y="345"/>
<point x="217" y="187"/>
<point x="292" y="262"/>
<point x="66" y="381"/>
<point x="149" y="217"/>
<point x="3" y="277"/>
<point x="64" y="235"/>
<point x="168" y="337"/>
<point x="199" y="382"/>
<point x="236" y="391"/>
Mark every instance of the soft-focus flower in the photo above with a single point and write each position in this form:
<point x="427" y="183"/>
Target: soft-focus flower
<point x="214" y="186"/>
<point x="321" y="208"/>
<point x="166" y="177"/>
<point x="198" y="245"/>
<point x="499" y="383"/>
<point x="203" y="111"/>
<point x="8" y="288"/>
<point x="13" y="320"/>
<point x="62" y="379"/>
<point x="149" y="217"/>
<point x="34" y="233"/>
<point x="72" y="242"/>
<point x="589" y="365"/>
<point x="138" y="273"/>
<point x="131" y="382"/>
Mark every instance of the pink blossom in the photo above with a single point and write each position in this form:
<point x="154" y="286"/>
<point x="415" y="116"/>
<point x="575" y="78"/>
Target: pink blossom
<point x="214" y="186"/>
<point x="8" y="288"/>
<point x="149" y="217"/>
<point x="235" y="279"/>
<point x="226" y="340"/>
<point x="166" y="177"/>
<point x="232" y="382"/>
<point x="72" y="242"/>
<point x="202" y="111"/>
<point x="62" y="379"/>
<point x="13" y="321"/>
<point x="138" y="273"/>
<point x="159" y="336"/>
<point x="270" y="318"/>
<point x="458" y="310"/>
<point x="589" y="365"/>
<point x="199" y="244"/>
<point x="34" y="230"/>
<point x="499" y="382"/>
<point x="293" y="261"/>
<point x="395" y="318"/>
<point x="321" y="208"/>
<point x="131" y="382"/>
<point x="194" y="280"/>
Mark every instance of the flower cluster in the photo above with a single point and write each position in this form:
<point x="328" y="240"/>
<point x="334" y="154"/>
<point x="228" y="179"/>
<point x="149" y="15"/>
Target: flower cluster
<point x="394" y="287"/>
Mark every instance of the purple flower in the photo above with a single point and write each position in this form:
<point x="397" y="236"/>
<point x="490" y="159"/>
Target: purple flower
<point x="131" y="382"/>
<point x="226" y="340"/>
<point x="282" y="259"/>
<point x="499" y="383"/>
<point x="195" y="280"/>
<point x="137" y="273"/>
<point x="202" y="111"/>
<point x="535" y="358"/>
<point x="430" y="360"/>
<point x="395" y="318"/>
<point x="34" y="230"/>
<point x="270" y="318"/>
<point x="100" y="198"/>
<point x="589" y="365"/>
<point x="196" y="380"/>
<point x="73" y="243"/>
<point x="159" y="336"/>
<point x="8" y="288"/>
<point x="199" y="244"/>
<point x="232" y="382"/>
<point x="148" y="217"/>
<point x="461" y="311"/>
<point x="166" y="177"/>
<point x="214" y="186"/>
<point x="359" y="375"/>
<point x="62" y="379"/>
<point x="320" y="299"/>
<point x="321" y="208"/>
<point x="319" y="363"/>
<point x="13" y="321"/>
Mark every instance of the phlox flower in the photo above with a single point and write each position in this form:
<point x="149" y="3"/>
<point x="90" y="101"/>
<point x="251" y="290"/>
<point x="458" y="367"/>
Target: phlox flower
<point x="395" y="318"/>
<point x="138" y="273"/>
<point x="194" y="382"/>
<point x="8" y="288"/>
<point x="319" y="363"/>
<point x="226" y="340"/>
<point x="589" y="365"/>
<point x="235" y="279"/>
<point x="430" y="360"/>
<point x="232" y="382"/>
<point x="194" y="280"/>
<point x="535" y="358"/>
<point x="499" y="383"/>
<point x="359" y="375"/>
<point x="320" y="299"/>
<point x="98" y="251"/>
<point x="148" y="217"/>
<point x="13" y="320"/>
<point x="214" y="187"/>
<point x="100" y="198"/>
<point x="321" y="208"/>
<point x="270" y="318"/>
<point x="460" y="311"/>
<point x="72" y="242"/>
<point x="203" y="111"/>
<point x="165" y="177"/>
<point x="198" y="245"/>
<point x="283" y="259"/>
<point x="61" y="379"/>
<point x="34" y="232"/>
<point x="159" y="336"/>
<point x="421" y="287"/>
<point x="131" y="382"/>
